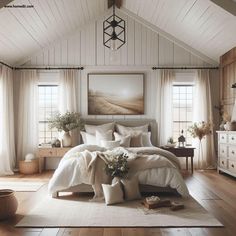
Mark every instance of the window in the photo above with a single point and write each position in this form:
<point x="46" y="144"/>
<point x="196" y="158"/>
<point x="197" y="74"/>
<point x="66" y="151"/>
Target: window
<point x="182" y="109"/>
<point x="48" y="105"/>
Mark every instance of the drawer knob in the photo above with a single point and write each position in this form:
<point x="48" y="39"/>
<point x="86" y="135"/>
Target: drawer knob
<point x="50" y="152"/>
<point x="223" y="151"/>
<point x="232" y="152"/>
<point x="222" y="137"/>
<point x="232" y="138"/>
<point x="232" y="165"/>
<point x="223" y="162"/>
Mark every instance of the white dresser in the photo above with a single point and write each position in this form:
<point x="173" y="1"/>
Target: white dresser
<point x="227" y="152"/>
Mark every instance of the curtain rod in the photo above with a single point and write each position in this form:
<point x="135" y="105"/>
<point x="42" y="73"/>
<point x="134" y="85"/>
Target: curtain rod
<point x="6" y="65"/>
<point x="185" y="68"/>
<point x="49" y="68"/>
<point x="42" y="68"/>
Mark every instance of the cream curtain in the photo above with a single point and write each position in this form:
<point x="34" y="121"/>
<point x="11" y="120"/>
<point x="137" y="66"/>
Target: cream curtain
<point x="69" y="91"/>
<point x="202" y="111"/>
<point x="27" y="122"/>
<point x="7" y="145"/>
<point x="165" y="79"/>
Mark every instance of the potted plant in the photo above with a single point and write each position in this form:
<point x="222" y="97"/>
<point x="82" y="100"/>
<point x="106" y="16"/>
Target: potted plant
<point x="66" y="122"/>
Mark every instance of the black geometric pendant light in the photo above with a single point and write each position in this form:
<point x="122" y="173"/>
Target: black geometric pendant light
<point x="114" y="31"/>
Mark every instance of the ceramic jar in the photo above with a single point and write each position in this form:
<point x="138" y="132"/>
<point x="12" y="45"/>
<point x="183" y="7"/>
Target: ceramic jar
<point x="8" y="204"/>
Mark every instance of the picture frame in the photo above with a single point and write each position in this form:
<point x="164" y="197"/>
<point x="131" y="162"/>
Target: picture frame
<point x="115" y="94"/>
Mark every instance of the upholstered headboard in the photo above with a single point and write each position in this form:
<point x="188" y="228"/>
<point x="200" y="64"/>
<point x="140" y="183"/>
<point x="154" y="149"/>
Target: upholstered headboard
<point x="129" y="122"/>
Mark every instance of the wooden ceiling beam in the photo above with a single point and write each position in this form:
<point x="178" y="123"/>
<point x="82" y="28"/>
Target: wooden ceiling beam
<point x="3" y="3"/>
<point x="228" y="5"/>
<point x="118" y="3"/>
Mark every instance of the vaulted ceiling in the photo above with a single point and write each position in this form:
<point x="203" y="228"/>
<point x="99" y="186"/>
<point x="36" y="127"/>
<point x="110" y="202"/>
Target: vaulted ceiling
<point x="201" y="24"/>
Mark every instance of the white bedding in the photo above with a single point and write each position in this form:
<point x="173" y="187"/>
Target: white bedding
<point x="70" y="172"/>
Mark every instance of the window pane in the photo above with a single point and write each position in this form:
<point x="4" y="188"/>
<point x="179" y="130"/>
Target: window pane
<point x="48" y="97"/>
<point x="182" y="110"/>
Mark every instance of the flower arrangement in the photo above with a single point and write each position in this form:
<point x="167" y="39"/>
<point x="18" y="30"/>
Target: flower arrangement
<point x="65" y="122"/>
<point x="117" y="165"/>
<point x="226" y="117"/>
<point x="200" y="130"/>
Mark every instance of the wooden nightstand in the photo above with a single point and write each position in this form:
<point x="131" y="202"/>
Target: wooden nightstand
<point x="182" y="152"/>
<point x="43" y="153"/>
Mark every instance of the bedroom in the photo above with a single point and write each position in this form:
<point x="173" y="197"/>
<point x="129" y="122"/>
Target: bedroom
<point x="152" y="87"/>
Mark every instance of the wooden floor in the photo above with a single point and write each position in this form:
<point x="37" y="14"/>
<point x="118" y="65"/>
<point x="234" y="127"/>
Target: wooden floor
<point x="217" y="193"/>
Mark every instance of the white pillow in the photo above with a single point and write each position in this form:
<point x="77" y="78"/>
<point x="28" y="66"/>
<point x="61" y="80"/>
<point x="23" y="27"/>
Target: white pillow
<point x="124" y="140"/>
<point x="146" y="140"/>
<point x="91" y="129"/>
<point x="125" y="130"/>
<point x="88" y="138"/>
<point x="106" y="136"/>
<point x="131" y="188"/>
<point x="113" y="193"/>
<point x="110" y="144"/>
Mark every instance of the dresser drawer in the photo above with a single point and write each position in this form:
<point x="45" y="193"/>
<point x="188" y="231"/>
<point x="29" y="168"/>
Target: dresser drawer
<point x="232" y="152"/>
<point x="223" y="151"/>
<point x="62" y="151"/>
<point x="232" y="138"/>
<point x="232" y="166"/>
<point x="223" y="138"/>
<point x="223" y="163"/>
<point x="47" y="152"/>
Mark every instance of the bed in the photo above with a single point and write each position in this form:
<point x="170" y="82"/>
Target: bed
<point x="67" y="177"/>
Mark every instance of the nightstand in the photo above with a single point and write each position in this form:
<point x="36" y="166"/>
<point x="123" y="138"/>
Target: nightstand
<point x="182" y="152"/>
<point x="43" y="153"/>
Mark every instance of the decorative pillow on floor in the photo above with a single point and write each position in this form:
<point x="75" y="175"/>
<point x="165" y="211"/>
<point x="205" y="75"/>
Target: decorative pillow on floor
<point x="91" y="129"/>
<point x="113" y="193"/>
<point x="131" y="188"/>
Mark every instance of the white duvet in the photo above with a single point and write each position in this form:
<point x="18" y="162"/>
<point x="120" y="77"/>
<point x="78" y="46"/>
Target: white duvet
<point x="71" y="173"/>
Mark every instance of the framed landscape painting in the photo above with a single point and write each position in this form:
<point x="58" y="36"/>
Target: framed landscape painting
<point x="116" y="94"/>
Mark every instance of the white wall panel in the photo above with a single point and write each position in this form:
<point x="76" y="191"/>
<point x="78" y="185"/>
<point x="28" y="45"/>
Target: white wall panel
<point x="144" y="48"/>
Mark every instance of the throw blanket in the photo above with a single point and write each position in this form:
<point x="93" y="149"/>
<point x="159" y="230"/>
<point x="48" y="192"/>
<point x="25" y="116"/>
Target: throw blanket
<point x="92" y="163"/>
<point x="85" y="164"/>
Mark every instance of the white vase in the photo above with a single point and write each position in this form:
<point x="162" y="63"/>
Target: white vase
<point x="66" y="140"/>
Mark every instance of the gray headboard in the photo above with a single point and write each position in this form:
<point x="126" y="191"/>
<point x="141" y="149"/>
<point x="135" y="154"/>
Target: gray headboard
<point x="129" y="122"/>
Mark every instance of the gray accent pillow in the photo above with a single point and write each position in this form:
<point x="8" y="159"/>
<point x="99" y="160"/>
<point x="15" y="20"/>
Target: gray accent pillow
<point x="131" y="188"/>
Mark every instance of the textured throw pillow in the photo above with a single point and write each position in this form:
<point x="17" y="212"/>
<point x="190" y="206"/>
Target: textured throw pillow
<point x="125" y="130"/>
<point x="124" y="140"/>
<point x="88" y="138"/>
<point x="134" y="132"/>
<point x="91" y="129"/>
<point x="110" y="144"/>
<point x="113" y="193"/>
<point x="103" y="135"/>
<point x="131" y="188"/>
<point x="136" y="139"/>
<point x="146" y="140"/>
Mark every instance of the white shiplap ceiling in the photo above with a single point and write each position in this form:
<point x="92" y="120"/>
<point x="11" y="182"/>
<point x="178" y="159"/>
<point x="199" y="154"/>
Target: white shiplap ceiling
<point x="26" y="30"/>
<point x="201" y="24"/>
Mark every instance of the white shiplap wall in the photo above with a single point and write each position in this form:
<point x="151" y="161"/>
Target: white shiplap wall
<point x="144" y="48"/>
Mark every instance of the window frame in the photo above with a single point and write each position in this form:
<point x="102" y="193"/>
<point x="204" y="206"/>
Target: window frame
<point x="183" y="83"/>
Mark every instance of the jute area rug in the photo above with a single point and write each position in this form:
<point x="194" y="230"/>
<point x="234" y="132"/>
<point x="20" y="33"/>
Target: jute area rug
<point x="78" y="211"/>
<point x="21" y="186"/>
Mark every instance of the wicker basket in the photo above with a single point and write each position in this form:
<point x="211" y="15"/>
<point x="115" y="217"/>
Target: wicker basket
<point x="29" y="168"/>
